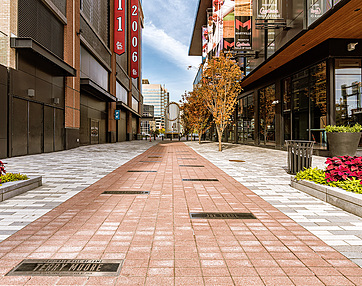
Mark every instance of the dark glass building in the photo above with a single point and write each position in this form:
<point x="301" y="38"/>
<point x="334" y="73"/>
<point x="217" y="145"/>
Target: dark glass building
<point x="301" y="72"/>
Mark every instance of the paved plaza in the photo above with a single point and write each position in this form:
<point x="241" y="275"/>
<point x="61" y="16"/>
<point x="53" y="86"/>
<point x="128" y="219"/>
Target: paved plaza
<point x="65" y="174"/>
<point x="293" y="241"/>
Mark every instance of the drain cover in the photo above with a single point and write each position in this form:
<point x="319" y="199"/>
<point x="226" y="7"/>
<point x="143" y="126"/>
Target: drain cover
<point x="138" y="171"/>
<point x="67" y="267"/>
<point x="200" y="180"/>
<point x="196" y="166"/>
<point x="187" y="158"/>
<point x="223" y="215"/>
<point x="126" y="193"/>
<point x="154" y="156"/>
<point x="236" y="161"/>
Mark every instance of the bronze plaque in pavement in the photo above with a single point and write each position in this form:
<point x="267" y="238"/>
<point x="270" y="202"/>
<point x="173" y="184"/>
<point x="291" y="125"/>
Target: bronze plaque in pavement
<point x="200" y="180"/>
<point x="150" y="161"/>
<point x="223" y="215"/>
<point x="67" y="267"/>
<point x="236" y="161"/>
<point x="125" y="192"/>
<point x="196" y="166"/>
<point x="140" y="171"/>
<point x="154" y="156"/>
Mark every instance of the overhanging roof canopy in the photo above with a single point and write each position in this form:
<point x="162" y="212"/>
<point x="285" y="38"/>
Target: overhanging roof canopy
<point x="125" y="106"/>
<point x="332" y="25"/>
<point x="58" y="66"/>
<point x="94" y="89"/>
<point x="196" y="40"/>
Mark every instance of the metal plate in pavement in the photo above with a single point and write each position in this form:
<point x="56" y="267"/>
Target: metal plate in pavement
<point x="223" y="215"/>
<point x="126" y="193"/>
<point x="67" y="267"/>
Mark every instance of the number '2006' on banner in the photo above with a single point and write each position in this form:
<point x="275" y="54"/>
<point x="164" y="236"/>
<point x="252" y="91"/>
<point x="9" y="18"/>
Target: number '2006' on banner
<point x="134" y="38"/>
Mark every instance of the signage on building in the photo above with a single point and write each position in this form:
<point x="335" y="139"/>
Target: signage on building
<point x="243" y="15"/>
<point x="269" y="9"/>
<point x="119" y="26"/>
<point x="117" y="114"/>
<point x="134" y="14"/>
<point x="228" y="29"/>
<point x="218" y="28"/>
<point x="205" y="38"/>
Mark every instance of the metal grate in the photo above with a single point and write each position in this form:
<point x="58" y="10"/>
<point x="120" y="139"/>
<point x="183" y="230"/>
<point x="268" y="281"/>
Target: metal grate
<point x="200" y="180"/>
<point x="236" y="161"/>
<point x="196" y="166"/>
<point x="36" y="21"/>
<point x="154" y="156"/>
<point x="126" y="193"/>
<point x="137" y="171"/>
<point x="67" y="267"/>
<point x="223" y="215"/>
<point x="187" y="158"/>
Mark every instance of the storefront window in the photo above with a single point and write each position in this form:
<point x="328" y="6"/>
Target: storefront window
<point x="267" y="115"/>
<point x="318" y="103"/>
<point x="348" y="91"/>
<point x="245" y="121"/>
<point x="316" y="8"/>
<point x="304" y="105"/>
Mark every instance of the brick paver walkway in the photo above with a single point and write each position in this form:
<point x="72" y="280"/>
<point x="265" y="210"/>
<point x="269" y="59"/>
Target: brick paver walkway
<point x="159" y="242"/>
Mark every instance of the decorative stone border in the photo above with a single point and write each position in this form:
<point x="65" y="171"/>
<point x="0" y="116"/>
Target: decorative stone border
<point x="12" y="189"/>
<point x="348" y="201"/>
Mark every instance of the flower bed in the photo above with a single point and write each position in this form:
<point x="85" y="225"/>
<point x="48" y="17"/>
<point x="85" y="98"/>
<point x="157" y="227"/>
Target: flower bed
<point x="344" y="172"/>
<point x="9" y="177"/>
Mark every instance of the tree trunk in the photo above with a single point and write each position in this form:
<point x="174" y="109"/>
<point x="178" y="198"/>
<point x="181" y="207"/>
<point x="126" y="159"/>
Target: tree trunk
<point x="219" y="134"/>
<point x="200" y="134"/>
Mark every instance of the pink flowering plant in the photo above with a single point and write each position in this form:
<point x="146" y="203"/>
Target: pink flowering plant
<point x="343" y="168"/>
<point x="2" y="168"/>
<point x="343" y="172"/>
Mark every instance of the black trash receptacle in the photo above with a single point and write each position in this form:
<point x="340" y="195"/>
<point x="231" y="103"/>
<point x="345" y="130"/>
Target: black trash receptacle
<point x="299" y="155"/>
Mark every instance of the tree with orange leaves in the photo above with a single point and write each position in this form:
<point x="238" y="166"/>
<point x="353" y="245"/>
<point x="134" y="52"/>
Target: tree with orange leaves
<point x="219" y="90"/>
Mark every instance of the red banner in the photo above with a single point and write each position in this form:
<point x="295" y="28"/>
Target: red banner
<point x="134" y="38"/>
<point x="119" y="26"/>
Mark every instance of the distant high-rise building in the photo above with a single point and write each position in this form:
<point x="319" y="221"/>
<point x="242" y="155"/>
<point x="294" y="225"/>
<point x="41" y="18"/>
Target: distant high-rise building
<point x="158" y="96"/>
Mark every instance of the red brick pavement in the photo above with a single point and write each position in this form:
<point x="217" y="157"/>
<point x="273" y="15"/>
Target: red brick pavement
<point x="159" y="242"/>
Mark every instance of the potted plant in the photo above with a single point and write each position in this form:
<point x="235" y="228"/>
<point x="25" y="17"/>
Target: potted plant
<point x="343" y="140"/>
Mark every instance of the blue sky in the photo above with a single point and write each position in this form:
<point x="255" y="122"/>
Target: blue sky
<point x="166" y="40"/>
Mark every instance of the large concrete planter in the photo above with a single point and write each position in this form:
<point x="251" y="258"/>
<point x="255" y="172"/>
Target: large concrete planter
<point x="343" y="143"/>
<point x="12" y="189"/>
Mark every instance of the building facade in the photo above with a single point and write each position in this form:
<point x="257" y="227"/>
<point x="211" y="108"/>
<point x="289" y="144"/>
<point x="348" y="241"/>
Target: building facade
<point x="158" y="96"/>
<point x="61" y="80"/>
<point x="148" y="123"/>
<point x="301" y="63"/>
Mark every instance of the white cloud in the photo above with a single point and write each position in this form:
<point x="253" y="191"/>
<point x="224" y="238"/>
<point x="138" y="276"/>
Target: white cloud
<point x="173" y="50"/>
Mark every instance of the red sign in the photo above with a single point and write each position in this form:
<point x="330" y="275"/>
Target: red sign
<point x="134" y="38"/>
<point x="119" y="26"/>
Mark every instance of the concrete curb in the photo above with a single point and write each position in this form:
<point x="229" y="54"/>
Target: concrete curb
<point x="12" y="189"/>
<point x="348" y="201"/>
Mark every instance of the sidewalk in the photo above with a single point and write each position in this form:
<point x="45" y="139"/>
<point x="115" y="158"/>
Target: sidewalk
<point x="264" y="172"/>
<point x="161" y="245"/>
<point x="65" y="174"/>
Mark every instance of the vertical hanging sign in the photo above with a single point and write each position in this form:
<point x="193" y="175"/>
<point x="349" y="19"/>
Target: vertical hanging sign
<point x="243" y="20"/>
<point x="119" y="26"/>
<point x="134" y="38"/>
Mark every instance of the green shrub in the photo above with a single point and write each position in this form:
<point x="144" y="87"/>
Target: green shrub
<point x="318" y="176"/>
<point x="353" y="129"/>
<point x="9" y="177"/>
